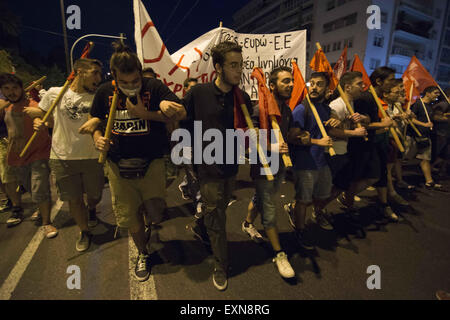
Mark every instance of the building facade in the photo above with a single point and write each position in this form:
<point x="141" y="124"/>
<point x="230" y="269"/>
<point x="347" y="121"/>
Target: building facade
<point x="408" y="27"/>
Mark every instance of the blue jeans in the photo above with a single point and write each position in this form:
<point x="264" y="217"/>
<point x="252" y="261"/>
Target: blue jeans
<point x="264" y="200"/>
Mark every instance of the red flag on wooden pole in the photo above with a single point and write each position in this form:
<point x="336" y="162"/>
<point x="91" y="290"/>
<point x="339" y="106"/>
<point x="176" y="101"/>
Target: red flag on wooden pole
<point x="319" y="63"/>
<point x="341" y="65"/>
<point x="299" y="91"/>
<point x="359" y="66"/>
<point x="416" y="75"/>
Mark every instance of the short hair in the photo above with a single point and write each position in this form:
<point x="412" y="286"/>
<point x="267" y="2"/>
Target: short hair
<point x="323" y="75"/>
<point x="10" y="78"/>
<point x="151" y="71"/>
<point x="381" y="73"/>
<point x="124" y="60"/>
<point x="273" y="77"/>
<point x="186" y="82"/>
<point x="349" y="77"/>
<point x="85" y="63"/>
<point x="429" y="90"/>
<point x="219" y="51"/>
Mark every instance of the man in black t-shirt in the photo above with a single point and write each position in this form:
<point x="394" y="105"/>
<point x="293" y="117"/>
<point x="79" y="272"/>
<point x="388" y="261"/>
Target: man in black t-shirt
<point x="369" y="158"/>
<point x="215" y="106"/>
<point x="135" y="164"/>
<point x="423" y="121"/>
<point x="281" y="83"/>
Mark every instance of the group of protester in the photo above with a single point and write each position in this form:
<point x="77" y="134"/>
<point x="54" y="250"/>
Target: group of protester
<point x="140" y="144"/>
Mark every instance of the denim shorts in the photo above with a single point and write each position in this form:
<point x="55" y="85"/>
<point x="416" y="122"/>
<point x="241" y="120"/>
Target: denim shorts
<point x="313" y="184"/>
<point x="264" y="198"/>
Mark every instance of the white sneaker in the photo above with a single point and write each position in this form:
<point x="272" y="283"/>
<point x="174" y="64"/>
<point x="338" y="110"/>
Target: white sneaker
<point x="252" y="232"/>
<point x="283" y="265"/>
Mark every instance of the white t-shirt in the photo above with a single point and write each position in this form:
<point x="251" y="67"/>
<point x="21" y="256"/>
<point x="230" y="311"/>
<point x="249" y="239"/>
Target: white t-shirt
<point x="340" y="112"/>
<point x="69" y="115"/>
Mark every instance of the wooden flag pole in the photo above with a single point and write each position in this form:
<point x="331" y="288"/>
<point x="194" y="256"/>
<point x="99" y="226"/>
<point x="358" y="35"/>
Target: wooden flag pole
<point x="319" y="123"/>
<point x="410" y="95"/>
<point x="27" y="89"/>
<point x="384" y="115"/>
<point x="47" y="115"/>
<point x="109" y="125"/>
<point x="262" y="157"/>
<point x="286" y="158"/>
<point x="54" y="104"/>
<point x="342" y="94"/>
<point x="443" y="93"/>
<point x="399" y="108"/>
<point x="426" y="112"/>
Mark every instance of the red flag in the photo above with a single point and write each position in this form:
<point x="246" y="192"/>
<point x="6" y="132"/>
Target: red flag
<point x="359" y="66"/>
<point x="239" y="118"/>
<point x="319" y="63"/>
<point x="341" y="65"/>
<point x="268" y="106"/>
<point x="299" y="91"/>
<point x="416" y="75"/>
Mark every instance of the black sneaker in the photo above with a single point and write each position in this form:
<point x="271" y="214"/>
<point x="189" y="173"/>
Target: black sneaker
<point x="183" y="187"/>
<point x="92" y="219"/>
<point x="390" y="214"/>
<point x="6" y="206"/>
<point x="84" y="241"/>
<point x="142" y="269"/>
<point x="322" y="218"/>
<point x="303" y="240"/>
<point x="380" y="217"/>
<point x="15" y="218"/>
<point x="290" y="212"/>
<point x="220" y="280"/>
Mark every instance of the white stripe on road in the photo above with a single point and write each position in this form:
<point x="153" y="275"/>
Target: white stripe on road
<point x="139" y="290"/>
<point x="21" y="265"/>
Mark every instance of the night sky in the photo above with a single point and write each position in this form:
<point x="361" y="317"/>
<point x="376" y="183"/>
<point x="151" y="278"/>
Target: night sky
<point x="113" y="17"/>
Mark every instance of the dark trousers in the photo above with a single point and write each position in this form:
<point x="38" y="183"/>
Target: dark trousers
<point x="216" y="194"/>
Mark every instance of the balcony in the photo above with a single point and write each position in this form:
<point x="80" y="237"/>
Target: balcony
<point x="406" y="52"/>
<point x="420" y="8"/>
<point x="406" y="27"/>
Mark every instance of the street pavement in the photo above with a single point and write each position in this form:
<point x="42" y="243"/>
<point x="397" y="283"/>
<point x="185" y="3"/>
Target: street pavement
<point x="413" y="255"/>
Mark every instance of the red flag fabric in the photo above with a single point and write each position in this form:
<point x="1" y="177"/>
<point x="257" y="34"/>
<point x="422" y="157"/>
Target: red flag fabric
<point x="341" y="65"/>
<point x="359" y="66"/>
<point x="239" y="118"/>
<point x="299" y="91"/>
<point x="268" y="106"/>
<point x="319" y="63"/>
<point x="417" y="76"/>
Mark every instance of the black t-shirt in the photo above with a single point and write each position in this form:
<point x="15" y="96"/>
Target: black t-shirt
<point x="134" y="137"/>
<point x="215" y="109"/>
<point x="418" y="110"/>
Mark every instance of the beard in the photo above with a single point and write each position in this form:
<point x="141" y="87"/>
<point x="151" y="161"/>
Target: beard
<point x="12" y="100"/>
<point x="318" y="97"/>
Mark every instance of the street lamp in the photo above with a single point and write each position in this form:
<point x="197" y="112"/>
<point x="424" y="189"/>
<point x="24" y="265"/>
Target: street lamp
<point x="121" y="37"/>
